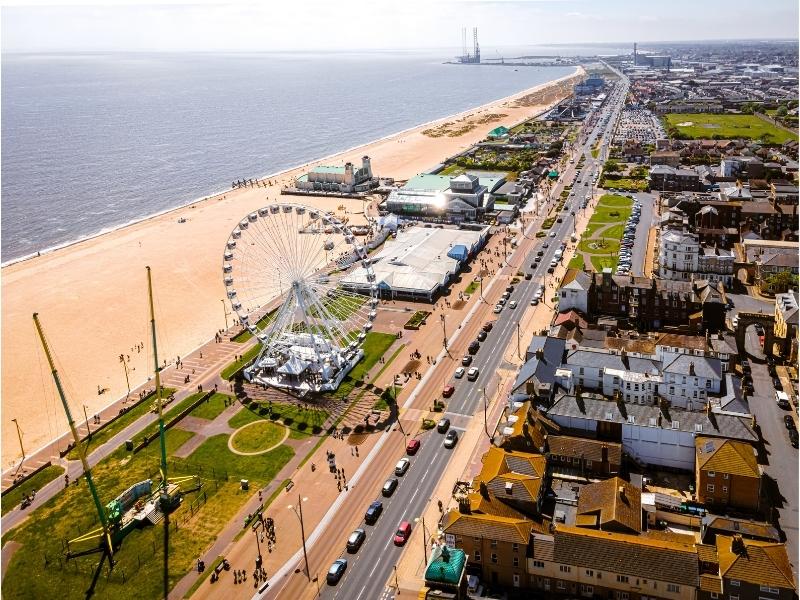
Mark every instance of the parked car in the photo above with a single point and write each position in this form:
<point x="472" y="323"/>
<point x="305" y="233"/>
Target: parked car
<point x="472" y="374"/>
<point x="534" y="301"/>
<point x="443" y="425"/>
<point x="447" y="391"/>
<point x="402" y="534"/>
<point x="466" y="360"/>
<point x="336" y="571"/>
<point x="459" y="373"/>
<point x="373" y="512"/>
<point x="473" y="347"/>
<point x="528" y="276"/>
<point x="481" y="335"/>
<point x="788" y="420"/>
<point x="412" y="446"/>
<point x="488" y="325"/>
<point x="355" y="540"/>
<point x="793" y="437"/>
<point x="512" y="305"/>
<point x="498" y="308"/>
<point x="451" y="438"/>
<point x="776" y="383"/>
<point x="782" y="399"/>
<point x="389" y="487"/>
<point x="402" y="466"/>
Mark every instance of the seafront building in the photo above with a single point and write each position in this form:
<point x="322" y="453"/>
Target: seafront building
<point x="346" y="180"/>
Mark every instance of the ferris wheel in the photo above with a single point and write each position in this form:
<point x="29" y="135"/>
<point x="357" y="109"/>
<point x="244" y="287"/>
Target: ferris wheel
<point x="283" y="267"/>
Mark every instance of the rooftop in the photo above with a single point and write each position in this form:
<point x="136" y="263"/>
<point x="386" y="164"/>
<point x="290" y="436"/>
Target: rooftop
<point x="756" y="562"/>
<point x="726" y="456"/>
<point x="613" y="504"/>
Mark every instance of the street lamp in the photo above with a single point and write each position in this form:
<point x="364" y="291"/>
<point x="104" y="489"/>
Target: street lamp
<point x="444" y="332"/>
<point x="424" y="538"/>
<point x="19" y="435"/>
<point x="127" y="380"/>
<point x="225" y="312"/>
<point x="485" y="422"/>
<point x="302" y="529"/>
<point x="89" y="431"/>
<point x="256" y="525"/>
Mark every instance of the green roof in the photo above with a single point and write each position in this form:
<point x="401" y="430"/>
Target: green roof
<point x="326" y="169"/>
<point x="553" y="174"/>
<point x="491" y="183"/>
<point x="447" y="567"/>
<point x="498" y="131"/>
<point x="426" y="181"/>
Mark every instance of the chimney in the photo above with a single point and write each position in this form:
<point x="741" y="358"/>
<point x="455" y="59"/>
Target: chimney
<point x="484" y="491"/>
<point x="604" y="453"/>
<point x="737" y="545"/>
<point x="509" y="487"/>
<point x="691" y="368"/>
<point x="540" y="353"/>
<point x="621" y="490"/>
<point x="463" y="505"/>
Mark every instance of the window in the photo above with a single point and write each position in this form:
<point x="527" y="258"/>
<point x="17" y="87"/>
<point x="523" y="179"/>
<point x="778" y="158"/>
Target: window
<point x="589" y="573"/>
<point x="560" y="585"/>
<point x="714" y="595"/>
<point x="494" y="558"/>
<point x="671" y="587"/>
<point x="712" y="473"/>
<point x="494" y="544"/>
<point x="622" y="595"/>
<point x="733" y="597"/>
<point x="516" y="561"/>
<point x="724" y="475"/>
<point x="724" y="489"/>
<point x="477" y="556"/>
<point x="735" y="582"/>
<point x="515" y="547"/>
<point x="622" y="579"/>
<point x="766" y="588"/>
<point x="538" y="564"/>
<point x="710" y="488"/>
<point x="565" y="569"/>
<point x="588" y="590"/>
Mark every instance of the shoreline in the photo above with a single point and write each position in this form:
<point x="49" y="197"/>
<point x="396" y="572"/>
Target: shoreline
<point x="215" y="195"/>
<point x="187" y="269"/>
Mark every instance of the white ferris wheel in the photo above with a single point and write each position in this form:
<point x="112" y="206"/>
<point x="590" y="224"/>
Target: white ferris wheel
<point x="282" y="269"/>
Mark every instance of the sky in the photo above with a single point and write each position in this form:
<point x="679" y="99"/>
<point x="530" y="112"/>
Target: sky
<point x="270" y="25"/>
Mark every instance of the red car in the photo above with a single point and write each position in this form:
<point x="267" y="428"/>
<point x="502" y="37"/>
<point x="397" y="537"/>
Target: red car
<point x="488" y="325"/>
<point x="448" y="391"/>
<point x="403" y="533"/>
<point x="412" y="447"/>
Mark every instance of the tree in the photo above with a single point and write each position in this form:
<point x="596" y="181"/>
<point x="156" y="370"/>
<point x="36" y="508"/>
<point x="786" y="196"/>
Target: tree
<point x="782" y="111"/>
<point x="611" y="166"/>
<point x="780" y="282"/>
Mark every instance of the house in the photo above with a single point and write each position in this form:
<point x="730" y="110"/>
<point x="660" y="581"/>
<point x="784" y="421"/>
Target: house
<point x="516" y="478"/>
<point x="665" y="157"/>
<point x="537" y="376"/>
<point x="747" y="570"/>
<point x="574" y="291"/>
<point x="786" y="318"/>
<point x="524" y="430"/>
<point x="666" y="178"/>
<point x="583" y="456"/>
<point x="610" y="505"/>
<point x="689" y="380"/>
<point x="727" y="473"/>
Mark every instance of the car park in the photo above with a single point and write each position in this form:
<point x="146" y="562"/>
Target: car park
<point x="356" y="539"/>
<point x="412" y="447"/>
<point x="402" y="534"/>
<point x="447" y="391"/>
<point x="402" y="466"/>
<point x="451" y="439"/>
<point x="389" y="487"/>
<point x="374" y="511"/>
<point x="466" y="360"/>
<point x="443" y="425"/>
<point x="336" y="571"/>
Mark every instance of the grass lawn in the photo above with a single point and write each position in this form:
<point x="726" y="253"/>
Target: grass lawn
<point x="599" y="262"/>
<point x="452" y="170"/>
<point x="576" y="262"/>
<point x="300" y="421"/>
<point x="710" y="126"/>
<point x="627" y="184"/>
<point x="614" y="200"/>
<point x="245" y="335"/>
<point x="599" y="246"/>
<point x="614" y="232"/>
<point x="375" y="345"/>
<point x="37" y="482"/>
<point x="258" y="436"/>
<point x="606" y="214"/>
<point x="120" y="423"/>
<point x="231" y="370"/>
<point x="470" y="289"/>
<point x="212" y="408"/>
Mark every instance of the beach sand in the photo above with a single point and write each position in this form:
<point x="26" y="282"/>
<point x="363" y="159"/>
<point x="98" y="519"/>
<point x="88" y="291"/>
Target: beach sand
<point x="92" y="296"/>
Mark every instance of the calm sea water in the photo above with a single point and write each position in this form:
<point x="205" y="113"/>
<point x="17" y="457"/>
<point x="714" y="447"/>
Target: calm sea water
<point x="93" y="141"/>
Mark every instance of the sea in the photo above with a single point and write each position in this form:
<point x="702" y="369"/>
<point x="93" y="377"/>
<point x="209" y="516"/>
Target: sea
<point x="92" y="142"/>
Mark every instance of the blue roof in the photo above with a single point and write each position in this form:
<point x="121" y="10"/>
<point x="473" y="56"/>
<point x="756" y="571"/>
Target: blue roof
<point x="458" y="252"/>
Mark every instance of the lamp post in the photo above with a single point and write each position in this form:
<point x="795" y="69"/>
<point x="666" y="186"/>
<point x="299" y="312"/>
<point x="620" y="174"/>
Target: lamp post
<point x="19" y="435"/>
<point x="302" y="530"/>
<point x="127" y="380"/>
<point x="519" y="354"/>
<point x="444" y="332"/>
<point x="89" y="431"/>
<point x="424" y="538"/>
<point x="225" y="312"/>
<point x="485" y="423"/>
<point x="256" y="525"/>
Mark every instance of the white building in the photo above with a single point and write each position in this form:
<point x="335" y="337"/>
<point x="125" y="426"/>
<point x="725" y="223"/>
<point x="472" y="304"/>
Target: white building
<point x="682" y="258"/>
<point x="689" y="380"/>
<point x="633" y="387"/>
<point x="346" y="179"/>
<point x="574" y="291"/>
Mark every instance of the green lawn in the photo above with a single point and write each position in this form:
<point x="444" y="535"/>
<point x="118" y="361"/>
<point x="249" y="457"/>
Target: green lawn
<point x="300" y="421"/>
<point x="37" y="482"/>
<point x="615" y="232"/>
<point x="599" y="262"/>
<point x="710" y="126"/>
<point x="472" y="287"/>
<point x="452" y="170"/>
<point x="258" y="436"/>
<point x="599" y="246"/>
<point x="375" y="345"/>
<point x="120" y="423"/>
<point x="615" y="200"/>
<point x="627" y="184"/>
<point x="610" y="209"/>
<point x="211" y="408"/>
<point x="576" y="262"/>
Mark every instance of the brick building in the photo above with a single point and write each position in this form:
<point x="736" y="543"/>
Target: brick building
<point x="727" y="473"/>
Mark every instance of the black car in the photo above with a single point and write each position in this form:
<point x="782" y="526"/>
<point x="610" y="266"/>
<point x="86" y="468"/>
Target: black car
<point x="336" y="571"/>
<point x="473" y="347"/>
<point x="373" y="512"/>
<point x="389" y="487"/>
<point x="550" y="269"/>
<point x="443" y="425"/>
<point x="355" y="540"/>
<point x="789" y="422"/>
<point x="776" y="383"/>
<point x="528" y="276"/>
<point x="510" y="289"/>
<point x="466" y="360"/>
<point x="481" y="336"/>
<point x="793" y="437"/>
<point x="759" y="328"/>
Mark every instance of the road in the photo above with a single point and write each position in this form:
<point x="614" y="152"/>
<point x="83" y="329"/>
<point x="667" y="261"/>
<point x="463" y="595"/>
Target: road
<point x="781" y="465"/>
<point x="370" y="570"/>
<point x="646" y="222"/>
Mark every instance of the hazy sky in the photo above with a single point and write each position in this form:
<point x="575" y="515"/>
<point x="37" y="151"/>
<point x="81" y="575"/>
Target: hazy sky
<point x="41" y="25"/>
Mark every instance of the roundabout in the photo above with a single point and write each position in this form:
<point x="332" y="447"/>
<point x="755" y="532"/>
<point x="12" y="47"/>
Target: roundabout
<point x="258" y="437"/>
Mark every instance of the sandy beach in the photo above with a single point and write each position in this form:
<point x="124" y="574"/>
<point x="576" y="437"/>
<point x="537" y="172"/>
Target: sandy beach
<point x="92" y="296"/>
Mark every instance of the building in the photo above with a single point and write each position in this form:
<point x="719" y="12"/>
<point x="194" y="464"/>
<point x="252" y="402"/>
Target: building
<point x="444" y="199"/>
<point x="647" y="303"/>
<point x="345" y="180"/>
<point x="517" y="478"/>
<point x="682" y="257"/>
<point x="574" y="291"/>
<point x="581" y="562"/>
<point x="727" y="473"/>
<point x="736" y="567"/>
<point x="690" y="380"/>
<point x="741" y="167"/>
<point x="446" y="573"/>
<point x="786" y="317"/>
<point x="419" y="263"/>
<point x="665" y="178"/>
<point x="610" y="505"/>
<point x="583" y="457"/>
<point x="537" y="376"/>
<point x="665" y="157"/>
<point x="650" y="435"/>
<point x="765" y="259"/>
